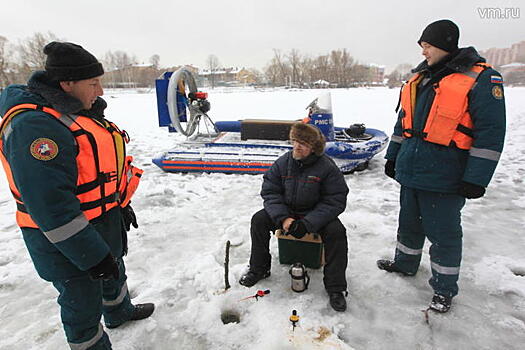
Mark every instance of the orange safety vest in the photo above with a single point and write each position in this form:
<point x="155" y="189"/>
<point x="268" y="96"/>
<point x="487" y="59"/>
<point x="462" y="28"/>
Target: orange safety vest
<point x="449" y="121"/>
<point x="103" y="182"/>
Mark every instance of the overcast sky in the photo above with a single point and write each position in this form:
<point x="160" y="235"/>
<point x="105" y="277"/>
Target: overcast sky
<point x="245" y="32"/>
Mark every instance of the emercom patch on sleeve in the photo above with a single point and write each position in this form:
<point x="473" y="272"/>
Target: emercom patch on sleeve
<point x="497" y="92"/>
<point x="44" y="149"/>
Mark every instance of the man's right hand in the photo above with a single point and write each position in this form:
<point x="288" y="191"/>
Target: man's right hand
<point x="287" y="223"/>
<point x="129" y="217"/>
<point x="105" y="269"/>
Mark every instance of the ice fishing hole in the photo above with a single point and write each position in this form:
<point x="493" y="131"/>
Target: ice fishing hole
<point x="230" y="316"/>
<point x="518" y="271"/>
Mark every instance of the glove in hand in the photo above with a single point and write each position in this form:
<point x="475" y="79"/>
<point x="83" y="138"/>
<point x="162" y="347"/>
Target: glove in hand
<point x="390" y="169"/>
<point x="129" y="217"/>
<point x="106" y="269"/>
<point x="471" y="191"/>
<point x="297" y="229"/>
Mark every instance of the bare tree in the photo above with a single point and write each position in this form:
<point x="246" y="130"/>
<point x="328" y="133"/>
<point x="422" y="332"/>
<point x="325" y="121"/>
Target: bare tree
<point x="212" y="63"/>
<point x="4" y="65"/>
<point x="31" y="57"/>
<point x="31" y="50"/>
<point x="340" y="65"/>
<point x="294" y="59"/>
<point x="123" y="60"/>
<point x="359" y="74"/>
<point x="155" y="61"/>
<point x="321" y="66"/>
<point x="271" y="72"/>
<point x="119" y="68"/>
<point x="405" y="70"/>
<point x="282" y="67"/>
<point x="346" y="65"/>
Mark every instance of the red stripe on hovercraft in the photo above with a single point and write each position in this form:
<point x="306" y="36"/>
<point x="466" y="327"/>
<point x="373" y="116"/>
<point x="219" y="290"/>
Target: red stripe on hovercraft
<point x="214" y="168"/>
<point x="198" y="162"/>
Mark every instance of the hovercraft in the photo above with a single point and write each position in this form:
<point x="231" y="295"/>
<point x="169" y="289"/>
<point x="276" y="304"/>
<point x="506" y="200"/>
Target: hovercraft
<point x="248" y="146"/>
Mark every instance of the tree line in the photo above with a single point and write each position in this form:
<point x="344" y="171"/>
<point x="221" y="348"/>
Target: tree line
<point x="336" y="68"/>
<point x="18" y="61"/>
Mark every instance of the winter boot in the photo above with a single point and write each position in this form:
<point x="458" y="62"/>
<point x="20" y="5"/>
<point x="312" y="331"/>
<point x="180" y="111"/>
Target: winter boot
<point x="440" y="303"/>
<point x="251" y="278"/>
<point x="337" y="301"/>
<point x="140" y="312"/>
<point x="390" y="266"/>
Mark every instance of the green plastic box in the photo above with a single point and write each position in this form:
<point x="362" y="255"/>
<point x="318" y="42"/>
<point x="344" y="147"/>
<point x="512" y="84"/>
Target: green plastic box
<point x="307" y="250"/>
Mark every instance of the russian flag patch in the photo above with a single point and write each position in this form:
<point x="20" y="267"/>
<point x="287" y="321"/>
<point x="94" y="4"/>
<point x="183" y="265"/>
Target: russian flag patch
<point x="496" y="79"/>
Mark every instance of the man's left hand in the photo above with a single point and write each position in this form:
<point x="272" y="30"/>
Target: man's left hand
<point x="298" y="229"/>
<point x="129" y="217"/>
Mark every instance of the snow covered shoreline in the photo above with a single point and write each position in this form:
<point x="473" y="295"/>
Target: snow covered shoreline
<point x="176" y="256"/>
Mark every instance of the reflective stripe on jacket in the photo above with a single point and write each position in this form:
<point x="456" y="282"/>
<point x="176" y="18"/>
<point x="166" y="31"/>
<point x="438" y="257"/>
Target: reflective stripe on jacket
<point x="449" y="122"/>
<point x="103" y="180"/>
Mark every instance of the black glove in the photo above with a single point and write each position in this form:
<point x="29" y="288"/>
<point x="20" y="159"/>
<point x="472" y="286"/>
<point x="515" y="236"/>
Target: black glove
<point x="105" y="269"/>
<point x="297" y="229"/>
<point x="390" y="169"/>
<point x="129" y="217"/>
<point x="471" y="191"/>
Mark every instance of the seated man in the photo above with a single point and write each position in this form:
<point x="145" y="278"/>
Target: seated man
<point x="304" y="191"/>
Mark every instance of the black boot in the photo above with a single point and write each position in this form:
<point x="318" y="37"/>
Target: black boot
<point x="337" y="301"/>
<point x="390" y="266"/>
<point x="251" y="278"/>
<point x="440" y="303"/>
<point x="140" y="312"/>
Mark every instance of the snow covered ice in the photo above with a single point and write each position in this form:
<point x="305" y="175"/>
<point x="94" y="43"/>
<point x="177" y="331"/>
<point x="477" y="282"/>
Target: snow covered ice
<point x="176" y="255"/>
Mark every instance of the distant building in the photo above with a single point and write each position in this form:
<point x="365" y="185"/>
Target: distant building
<point x="131" y="76"/>
<point x="499" y="57"/>
<point x="220" y="76"/>
<point x="513" y="73"/>
<point x="246" y="77"/>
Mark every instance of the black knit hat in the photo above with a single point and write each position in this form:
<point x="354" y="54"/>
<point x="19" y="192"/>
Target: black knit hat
<point x="443" y="34"/>
<point x="70" y="62"/>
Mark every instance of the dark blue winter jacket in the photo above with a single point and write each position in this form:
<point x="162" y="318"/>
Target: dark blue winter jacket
<point x="314" y="188"/>
<point x="428" y="166"/>
<point x="48" y="187"/>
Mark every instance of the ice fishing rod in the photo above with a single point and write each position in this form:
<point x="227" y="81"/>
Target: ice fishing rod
<point x="259" y="294"/>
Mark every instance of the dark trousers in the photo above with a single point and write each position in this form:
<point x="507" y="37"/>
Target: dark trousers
<point x="335" y="245"/>
<point x="82" y="303"/>
<point x="436" y="216"/>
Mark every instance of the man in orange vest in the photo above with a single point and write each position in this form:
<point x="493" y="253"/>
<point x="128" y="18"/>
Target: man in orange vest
<point x="446" y="144"/>
<point x="72" y="182"/>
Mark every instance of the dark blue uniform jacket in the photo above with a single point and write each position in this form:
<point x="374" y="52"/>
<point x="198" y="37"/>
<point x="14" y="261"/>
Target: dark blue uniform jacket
<point x="48" y="187"/>
<point x="428" y="166"/>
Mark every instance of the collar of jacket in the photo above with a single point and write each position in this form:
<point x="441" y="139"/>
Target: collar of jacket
<point x="458" y="61"/>
<point x="306" y="162"/>
<point x="39" y="83"/>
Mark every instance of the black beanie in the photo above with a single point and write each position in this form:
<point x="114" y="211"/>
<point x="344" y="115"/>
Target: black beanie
<point x="443" y="34"/>
<point x="70" y="62"/>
